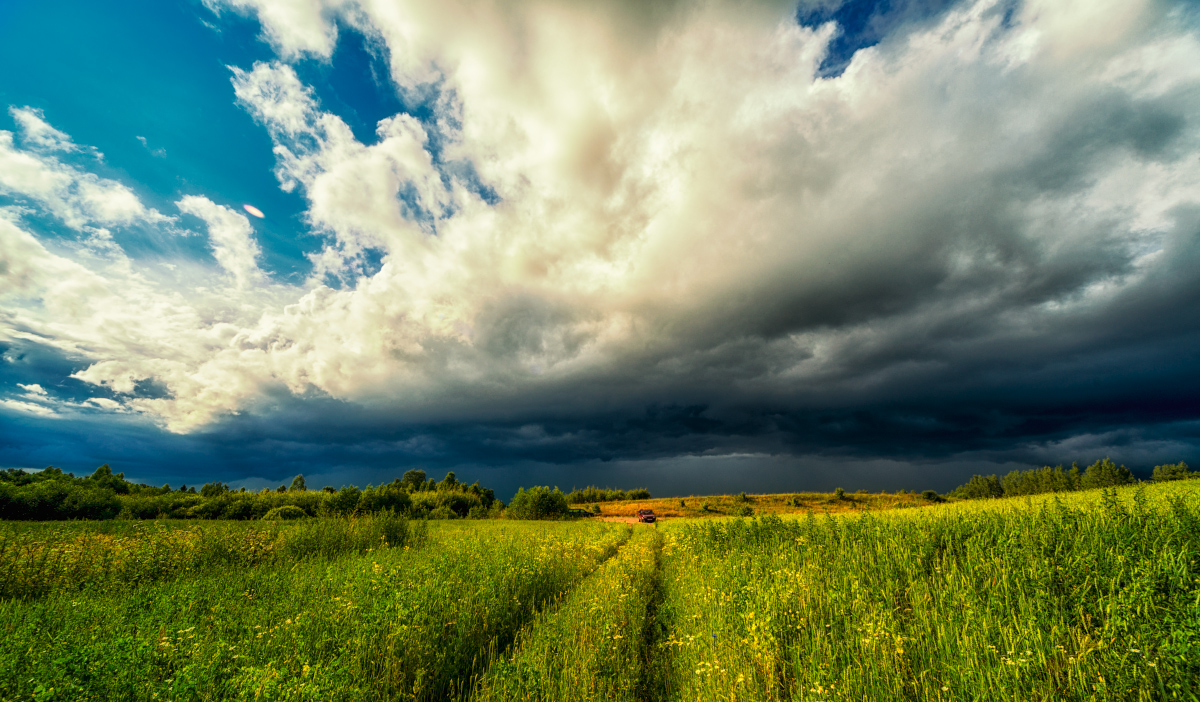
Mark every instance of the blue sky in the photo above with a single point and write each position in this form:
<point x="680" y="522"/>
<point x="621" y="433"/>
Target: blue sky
<point x="696" y="247"/>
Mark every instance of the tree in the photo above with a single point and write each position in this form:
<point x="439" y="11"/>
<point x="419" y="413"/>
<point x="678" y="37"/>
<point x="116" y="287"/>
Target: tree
<point x="1105" y="473"/>
<point x="1178" y="471"/>
<point x="978" y="487"/>
<point x="346" y="500"/>
<point x="298" y="484"/>
<point x="539" y="502"/>
<point x="214" y="489"/>
<point x="413" y="480"/>
<point x="104" y="479"/>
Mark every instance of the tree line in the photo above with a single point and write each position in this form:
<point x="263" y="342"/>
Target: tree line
<point x="1101" y="474"/>
<point x="51" y="494"/>
<point x="591" y="495"/>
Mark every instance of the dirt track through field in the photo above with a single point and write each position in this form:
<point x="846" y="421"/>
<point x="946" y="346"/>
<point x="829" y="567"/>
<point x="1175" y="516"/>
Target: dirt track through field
<point x="650" y="685"/>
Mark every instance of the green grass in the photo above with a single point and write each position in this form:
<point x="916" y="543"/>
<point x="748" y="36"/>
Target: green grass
<point x="394" y="623"/>
<point x="592" y="646"/>
<point x="1095" y="598"/>
<point x="1086" y="596"/>
<point x="37" y="559"/>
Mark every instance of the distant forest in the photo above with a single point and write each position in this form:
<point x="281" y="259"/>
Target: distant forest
<point x="51" y="494"/>
<point x="592" y="495"/>
<point x="1035" y="481"/>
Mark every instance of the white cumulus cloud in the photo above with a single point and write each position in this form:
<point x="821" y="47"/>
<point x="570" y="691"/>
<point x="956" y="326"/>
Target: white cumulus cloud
<point x="74" y="196"/>
<point x="231" y="236"/>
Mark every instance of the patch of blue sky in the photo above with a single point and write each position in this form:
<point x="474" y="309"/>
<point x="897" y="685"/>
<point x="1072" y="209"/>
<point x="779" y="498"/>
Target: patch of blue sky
<point x="355" y="84"/>
<point x="146" y="83"/>
<point x="865" y="23"/>
<point x="28" y="363"/>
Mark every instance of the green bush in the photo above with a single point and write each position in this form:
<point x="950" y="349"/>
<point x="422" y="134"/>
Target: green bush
<point x="839" y="494"/>
<point x="744" y="511"/>
<point x="285" y="512"/>
<point x="539" y="502"/>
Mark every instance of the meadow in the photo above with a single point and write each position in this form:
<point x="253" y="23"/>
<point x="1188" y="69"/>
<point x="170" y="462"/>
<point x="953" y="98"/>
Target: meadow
<point x="1087" y="595"/>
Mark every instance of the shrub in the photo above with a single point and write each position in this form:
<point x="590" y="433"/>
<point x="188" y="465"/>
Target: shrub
<point x="932" y="496"/>
<point x="443" y="512"/>
<point x="839" y="494"/>
<point x="538" y="502"/>
<point x="744" y="511"/>
<point x="239" y="509"/>
<point x="285" y="512"/>
<point x="743" y="497"/>
<point x="346" y="500"/>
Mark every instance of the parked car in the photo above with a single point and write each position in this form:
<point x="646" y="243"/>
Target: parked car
<point x="646" y="515"/>
<point x="580" y="513"/>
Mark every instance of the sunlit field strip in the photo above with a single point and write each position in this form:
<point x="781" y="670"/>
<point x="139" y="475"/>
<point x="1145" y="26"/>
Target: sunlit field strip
<point x="1093" y="597"/>
<point x="394" y="623"/>
<point x="592" y="645"/>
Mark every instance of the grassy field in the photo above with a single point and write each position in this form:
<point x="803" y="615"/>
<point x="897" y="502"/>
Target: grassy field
<point x="1092" y="595"/>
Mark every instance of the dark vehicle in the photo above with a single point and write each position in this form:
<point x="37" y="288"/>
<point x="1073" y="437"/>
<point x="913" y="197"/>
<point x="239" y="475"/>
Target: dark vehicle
<point x="579" y="513"/>
<point x="647" y="516"/>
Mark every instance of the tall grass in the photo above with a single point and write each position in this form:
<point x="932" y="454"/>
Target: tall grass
<point x="592" y="645"/>
<point x="34" y="562"/>
<point x="1092" y="596"/>
<point x="1055" y="602"/>
<point x="399" y="623"/>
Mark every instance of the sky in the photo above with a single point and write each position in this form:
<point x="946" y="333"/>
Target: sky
<point x="698" y="246"/>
